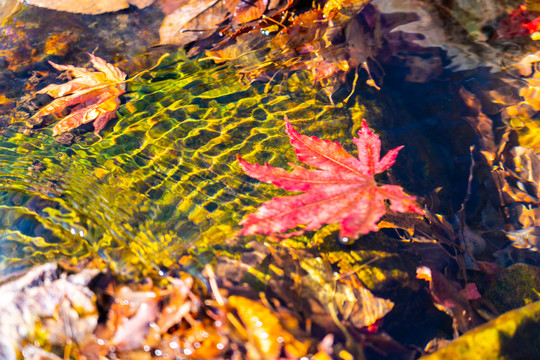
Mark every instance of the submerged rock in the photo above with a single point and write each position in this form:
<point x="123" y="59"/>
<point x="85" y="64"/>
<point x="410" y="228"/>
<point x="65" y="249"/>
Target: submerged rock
<point x="514" y="335"/>
<point x="515" y="286"/>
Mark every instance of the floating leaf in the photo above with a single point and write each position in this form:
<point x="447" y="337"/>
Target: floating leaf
<point x="343" y="189"/>
<point x="95" y="95"/>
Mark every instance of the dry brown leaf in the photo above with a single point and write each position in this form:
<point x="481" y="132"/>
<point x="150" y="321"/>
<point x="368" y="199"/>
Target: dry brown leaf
<point x="91" y="7"/>
<point x="57" y="304"/>
<point x="191" y="20"/>
<point x="446" y="297"/>
<point x="247" y="11"/>
<point x="346" y="298"/>
<point x="231" y="5"/>
<point x="401" y="221"/>
<point x="169" y="6"/>
<point x="481" y="123"/>
<point x="203" y="340"/>
<point x="131" y="332"/>
<point x="264" y="330"/>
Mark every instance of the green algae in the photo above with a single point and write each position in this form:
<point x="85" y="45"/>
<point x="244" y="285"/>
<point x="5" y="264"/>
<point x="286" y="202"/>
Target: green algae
<point x="164" y="179"/>
<point x="515" y="286"/>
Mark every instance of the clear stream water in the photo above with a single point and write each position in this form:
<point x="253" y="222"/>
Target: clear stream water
<point x="164" y="180"/>
<point x="164" y="176"/>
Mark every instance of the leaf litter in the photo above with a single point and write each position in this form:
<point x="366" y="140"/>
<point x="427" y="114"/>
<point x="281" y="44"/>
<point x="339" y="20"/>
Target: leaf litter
<point x="93" y="314"/>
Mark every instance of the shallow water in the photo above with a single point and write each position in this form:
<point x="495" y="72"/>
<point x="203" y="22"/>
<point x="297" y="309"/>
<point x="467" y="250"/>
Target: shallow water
<point x="164" y="177"/>
<point x="164" y="183"/>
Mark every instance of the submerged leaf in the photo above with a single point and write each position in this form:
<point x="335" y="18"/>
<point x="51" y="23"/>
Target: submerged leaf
<point x="266" y="335"/>
<point x="342" y="189"/>
<point x="91" y="7"/>
<point x="344" y="298"/>
<point x="246" y="11"/>
<point x="191" y="20"/>
<point x="95" y="95"/>
<point x="404" y="222"/>
<point x="481" y="123"/>
<point x="528" y="238"/>
<point x="447" y="296"/>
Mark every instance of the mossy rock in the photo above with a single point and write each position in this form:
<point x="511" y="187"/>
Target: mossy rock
<point x="513" y="335"/>
<point x="516" y="286"/>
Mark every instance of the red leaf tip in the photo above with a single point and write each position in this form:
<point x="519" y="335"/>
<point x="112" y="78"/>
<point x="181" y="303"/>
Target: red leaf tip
<point x="364" y="124"/>
<point x="365" y="129"/>
<point x="289" y="129"/>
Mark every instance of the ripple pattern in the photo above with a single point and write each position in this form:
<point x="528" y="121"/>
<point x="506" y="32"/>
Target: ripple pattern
<point x="164" y="180"/>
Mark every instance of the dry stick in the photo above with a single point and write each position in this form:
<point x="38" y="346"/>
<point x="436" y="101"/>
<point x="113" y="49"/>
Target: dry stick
<point x="353" y="86"/>
<point x="351" y="272"/>
<point x="461" y="213"/>
<point x="213" y="285"/>
<point x="371" y="81"/>
<point x="221" y="302"/>
<point x="272" y="20"/>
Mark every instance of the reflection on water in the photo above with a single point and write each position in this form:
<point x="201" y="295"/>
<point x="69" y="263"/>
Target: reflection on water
<point x="165" y="179"/>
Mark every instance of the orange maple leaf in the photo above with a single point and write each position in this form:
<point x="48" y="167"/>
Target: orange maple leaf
<point x="341" y="189"/>
<point x="95" y="94"/>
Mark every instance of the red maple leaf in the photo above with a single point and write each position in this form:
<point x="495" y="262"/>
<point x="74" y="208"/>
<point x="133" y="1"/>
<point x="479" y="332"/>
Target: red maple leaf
<point x="341" y="189"/>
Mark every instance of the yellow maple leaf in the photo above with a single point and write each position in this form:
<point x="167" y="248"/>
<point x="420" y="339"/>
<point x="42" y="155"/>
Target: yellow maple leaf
<point x="94" y="94"/>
